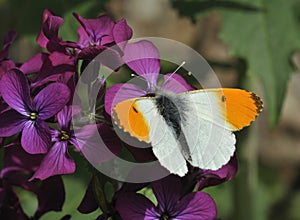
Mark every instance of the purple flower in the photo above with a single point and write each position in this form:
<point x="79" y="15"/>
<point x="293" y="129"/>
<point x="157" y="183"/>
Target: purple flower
<point x="5" y="63"/>
<point x="34" y="64"/>
<point x="171" y="203"/>
<point x="18" y="165"/>
<point x="29" y="116"/>
<point x="215" y="177"/>
<point x="45" y="68"/>
<point x="143" y="58"/>
<point x="58" y="66"/>
<point x="89" y="203"/>
<point x="58" y="161"/>
<point x="10" y="207"/>
<point x="48" y="37"/>
<point x="98" y="142"/>
<point x="9" y="38"/>
<point x="97" y="35"/>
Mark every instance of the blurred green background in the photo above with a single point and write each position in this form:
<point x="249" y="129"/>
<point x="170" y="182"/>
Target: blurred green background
<point x="249" y="44"/>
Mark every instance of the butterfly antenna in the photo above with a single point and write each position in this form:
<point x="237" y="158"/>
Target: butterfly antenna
<point x="170" y="76"/>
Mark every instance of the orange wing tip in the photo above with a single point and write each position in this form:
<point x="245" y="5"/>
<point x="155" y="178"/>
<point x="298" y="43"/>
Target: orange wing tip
<point x="116" y="122"/>
<point x="128" y="118"/>
<point x="242" y="107"/>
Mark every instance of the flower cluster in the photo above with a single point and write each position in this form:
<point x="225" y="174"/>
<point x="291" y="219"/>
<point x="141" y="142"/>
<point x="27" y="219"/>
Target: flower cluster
<point x="37" y="133"/>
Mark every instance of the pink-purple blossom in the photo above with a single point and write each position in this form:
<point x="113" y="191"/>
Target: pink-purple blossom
<point x="6" y="64"/>
<point x="17" y="168"/>
<point x="29" y="116"/>
<point x="99" y="34"/>
<point x="171" y="204"/>
<point x="144" y="59"/>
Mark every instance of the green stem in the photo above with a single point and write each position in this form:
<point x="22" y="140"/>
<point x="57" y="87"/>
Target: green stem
<point x="245" y="184"/>
<point x="100" y="196"/>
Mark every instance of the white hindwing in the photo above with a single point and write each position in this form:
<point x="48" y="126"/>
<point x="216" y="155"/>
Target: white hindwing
<point x="165" y="146"/>
<point x="210" y="140"/>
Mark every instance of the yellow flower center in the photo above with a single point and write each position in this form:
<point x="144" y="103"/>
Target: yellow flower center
<point x="33" y="115"/>
<point x="64" y="135"/>
<point x="164" y="216"/>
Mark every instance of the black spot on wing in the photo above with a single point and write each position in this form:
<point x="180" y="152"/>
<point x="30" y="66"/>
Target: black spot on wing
<point x="223" y="98"/>
<point x="134" y="109"/>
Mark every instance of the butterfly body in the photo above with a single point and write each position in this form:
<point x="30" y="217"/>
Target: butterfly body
<point x="194" y="126"/>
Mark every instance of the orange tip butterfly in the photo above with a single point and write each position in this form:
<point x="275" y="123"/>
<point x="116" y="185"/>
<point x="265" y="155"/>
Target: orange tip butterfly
<point x="195" y="126"/>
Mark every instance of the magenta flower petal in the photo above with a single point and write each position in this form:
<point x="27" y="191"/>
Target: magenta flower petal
<point x="15" y="156"/>
<point x="215" y="177"/>
<point x="17" y="165"/>
<point x="122" y="33"/>
<point x="51" y="99"/>
<point x="82" y="135"/>
<point x="6" y="66"/>
<point x="131" y="205"/>
<point x="120" y="92"/>
<point x="175" y="83"/>
<point x="3" y="106"/>
<point x="8" y="40"/>
<point x="88" y="203"/>
<point x="56" y="68"/>
<point x="50" y="27"/>
<point x="167" y="194"/>
<point x="98" y="149"/>
<point x="34" y="64"/>
<point x="15" y="91"/>
<point x="143" y="58"/>
<point x="97" y="28"/>
<point x="10" y="207"/>
<point x="64" y="118"/>
<point x="105" y="55"/>
<point x="101" y="35"/>
<point x="110" y="58"/>
<point x="65" y="61"/>
<point x="198" y="206"/>
<point x="56" y="162"/>
<point x="42" y="40"/>
<point x="172" y="204"/>
<point x="36" y="137"/>
<point x="51" y="186"/>
<point x="11" y="122"/>
<point x="83" y="40"/>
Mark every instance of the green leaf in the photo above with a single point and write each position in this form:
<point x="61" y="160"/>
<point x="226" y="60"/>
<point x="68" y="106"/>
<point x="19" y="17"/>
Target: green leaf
<point x="266" y="40"/>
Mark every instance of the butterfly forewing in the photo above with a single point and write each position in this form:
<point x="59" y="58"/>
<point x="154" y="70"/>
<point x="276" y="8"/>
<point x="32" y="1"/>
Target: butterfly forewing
<point x="164" y="144"/>
<point x="232" y="109"/>
<point x="209" y="138"/>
